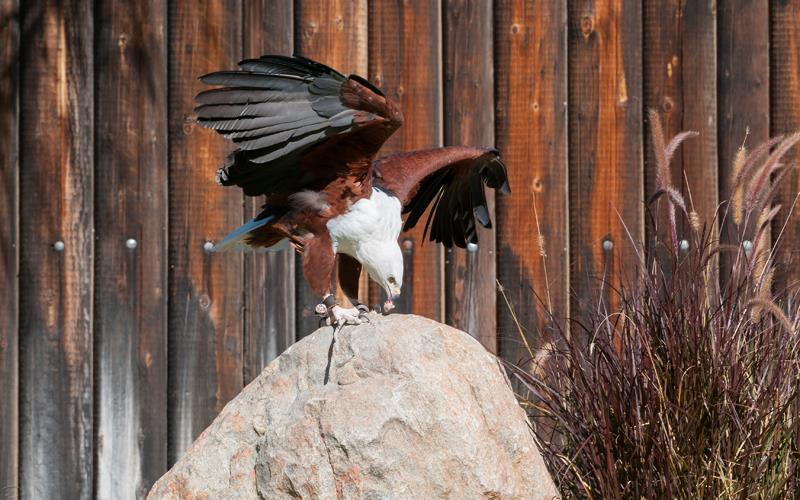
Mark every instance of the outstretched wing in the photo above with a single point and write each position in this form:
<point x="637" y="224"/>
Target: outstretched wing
<point x="297" y="124"/>
<point x="450" y="179"/>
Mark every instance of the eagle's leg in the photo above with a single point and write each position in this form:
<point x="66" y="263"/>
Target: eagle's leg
<point x="318" y="261"/>
<point x="349" y="275"/>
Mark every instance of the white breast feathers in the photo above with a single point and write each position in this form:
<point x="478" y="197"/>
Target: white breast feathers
<point x="372" y="219"/>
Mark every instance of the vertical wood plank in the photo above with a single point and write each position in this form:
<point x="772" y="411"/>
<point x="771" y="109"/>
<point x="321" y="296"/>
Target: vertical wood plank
<point x="605" y="147"/>
<point x="9" y="255"/>
<point x="335" y="33"/>
<point x="743" y="78"/>
<point x="469" y="119"/>
<point x="56" y="198"/>
<point x="131" y="262"/>
<point x="785" y="119"/>
<point x="269" y="325"/>
<point x="531" y="48"/>
<point x="205" y="289"/>
<point x="681" y="84"/>
<point x="305" y="300"/>
<point x="405" y="61"/>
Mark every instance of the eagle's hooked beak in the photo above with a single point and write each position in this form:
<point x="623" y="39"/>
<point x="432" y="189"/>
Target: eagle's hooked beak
<point x="393" y="292"/>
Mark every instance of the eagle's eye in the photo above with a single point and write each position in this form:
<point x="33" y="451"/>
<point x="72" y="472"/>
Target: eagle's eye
<point x="392" y="281"/>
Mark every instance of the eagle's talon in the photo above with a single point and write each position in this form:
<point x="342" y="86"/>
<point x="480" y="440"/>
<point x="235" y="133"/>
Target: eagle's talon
<point x="363" y="311"/>
<point x="339" y="316"/>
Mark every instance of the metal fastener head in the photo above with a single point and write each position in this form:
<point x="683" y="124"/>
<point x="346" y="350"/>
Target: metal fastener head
<point x="747" y="245"/>
<point x="472" y="247"/>
<point x="58" y="246"/>
<point x="608" y="245"/>
<point x="131" y="243"/>
<point x="684" y="245"/>
<point x="208" y="246"/>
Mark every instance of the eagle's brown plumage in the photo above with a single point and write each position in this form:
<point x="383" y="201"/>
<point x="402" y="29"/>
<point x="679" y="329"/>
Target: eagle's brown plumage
<point x="454" y="178"/>
<point x="307" y="138"/>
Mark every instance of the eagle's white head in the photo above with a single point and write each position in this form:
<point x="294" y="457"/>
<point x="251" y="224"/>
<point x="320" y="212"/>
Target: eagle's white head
<point x="383" y="260"/>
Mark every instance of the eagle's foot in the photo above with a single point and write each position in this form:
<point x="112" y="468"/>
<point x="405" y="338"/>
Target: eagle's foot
<point x="338" y="315"/>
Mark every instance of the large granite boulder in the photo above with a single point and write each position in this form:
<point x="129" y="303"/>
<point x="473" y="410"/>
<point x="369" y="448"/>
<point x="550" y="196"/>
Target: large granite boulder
<point x="401" y="407"/>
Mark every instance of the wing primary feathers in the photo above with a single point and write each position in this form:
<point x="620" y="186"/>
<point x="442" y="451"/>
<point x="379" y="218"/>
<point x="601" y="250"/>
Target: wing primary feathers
<point x="478" y="202"/>
<point x="239" y="95"/>
<point x="247" y="79"/>
<point x="433" y="209"/>
<point x="482" y="215"/>
<point x="245" y="123"/>
<point x="328" y="106"/>
<point x="325" y="86"/>
<point x="444" y="228"/>
<point x="454" y="191"/>
<point x="287" y="115"/>
<point x="430" y="187"/>
<point x="304" y="64"/>
<point x="458" y="219"/>
<point x="283" y="137"/>
<point x="458" y="232"/>
<point x="294" y="109"/>
<point x="496" y="176"/>
<point x="283" y="149"/>
<point x="471" y="234"/>
<point x="290" y="66"/>
<point x="272" y="129"/>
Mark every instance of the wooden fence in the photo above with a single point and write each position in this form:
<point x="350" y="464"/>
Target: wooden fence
<point x="121" y="337"/>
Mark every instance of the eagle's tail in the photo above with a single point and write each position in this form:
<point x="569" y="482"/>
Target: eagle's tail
<point x="242" y="237"/>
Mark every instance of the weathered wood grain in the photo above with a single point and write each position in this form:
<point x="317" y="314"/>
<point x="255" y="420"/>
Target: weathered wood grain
<point x="680" y="80"/>
<point x="333" y="32"/>
<point x="131" y="247"/>
<point x="269" y="326"/>
<point x="743" y="98"/>
<point x="470" y="275"/>
<point x="605" y="148"/>
<point x="56" y="249"/>
<point x="785" y="119"/>
<point x="405" y="61"/>
<point x="531" y="49"/>
<point x="9" y="248"/>
<point x="205" y="289"/>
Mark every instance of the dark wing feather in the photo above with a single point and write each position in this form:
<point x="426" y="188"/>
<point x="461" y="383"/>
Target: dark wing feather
<point x="284" y="114"/>
<point x="451" y="180"/>
<point x="426" y="193"/>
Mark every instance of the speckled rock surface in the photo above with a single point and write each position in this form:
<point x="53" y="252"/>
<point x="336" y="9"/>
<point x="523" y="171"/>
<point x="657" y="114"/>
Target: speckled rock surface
<point x="411" y="409"/>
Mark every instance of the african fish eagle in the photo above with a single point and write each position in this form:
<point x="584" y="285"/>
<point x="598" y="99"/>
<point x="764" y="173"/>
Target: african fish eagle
<point x="306" y="138"/>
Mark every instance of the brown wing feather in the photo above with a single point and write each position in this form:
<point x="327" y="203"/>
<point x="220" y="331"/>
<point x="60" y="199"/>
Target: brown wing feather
<point x="450" y="179"/>
<point x="297" y="124"/>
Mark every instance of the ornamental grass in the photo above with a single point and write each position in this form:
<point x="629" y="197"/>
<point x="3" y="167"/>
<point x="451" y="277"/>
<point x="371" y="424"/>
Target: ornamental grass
<point x="687" y="383"/>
